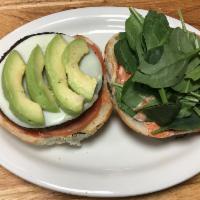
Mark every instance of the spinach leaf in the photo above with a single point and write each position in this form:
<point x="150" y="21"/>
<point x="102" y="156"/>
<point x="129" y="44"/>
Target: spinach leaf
<point x="193" y="63"/>
<point x="186" y="107"/>
<point x="122" y="35"/>
<point x="165" y="74"/>
<point x="182" y="20"/>
<point x="133" y="27"/>
<point x="186" y="86"/>
<point x="125" y="56"/>
<point x="181" y="41"/>
<point x="195" y="40"/>
<point x="168" y="60"/>
<point x="152" y="56"/>
<point x="194" y="74"/>
<point x="162" y="114"/>
<point x="138" y="96"/>
<point x="192" y="36"/>
<point x="155" y="30"/>
<point x="173" y="96"/>
<point x="190" y="98"/>
<point x="137" y="15"/>
<point x="166" y="77"/>
<point x="140" y="48"/>
<point x="197" y="110"/>
<point x="174" y="51"/>
<point x="123" y="106"/>
<point x="183" y="124"/>
<point x="185" y="111"/>
<point x="196" y="94"/>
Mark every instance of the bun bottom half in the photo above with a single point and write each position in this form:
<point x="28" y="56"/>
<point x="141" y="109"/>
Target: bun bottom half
<point x="72" y="132"/>
<point x="140" y="127"/>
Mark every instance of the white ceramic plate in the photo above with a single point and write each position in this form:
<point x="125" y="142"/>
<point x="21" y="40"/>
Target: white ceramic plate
<point x="115" y="162"/>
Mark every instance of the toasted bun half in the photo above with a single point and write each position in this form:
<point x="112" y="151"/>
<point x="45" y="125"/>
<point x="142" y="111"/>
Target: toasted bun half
<point x="74" y="131"/>
<point x="144" y="128"/>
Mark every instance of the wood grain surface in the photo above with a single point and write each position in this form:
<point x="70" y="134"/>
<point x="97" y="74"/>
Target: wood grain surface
<point x="14" y="13"/>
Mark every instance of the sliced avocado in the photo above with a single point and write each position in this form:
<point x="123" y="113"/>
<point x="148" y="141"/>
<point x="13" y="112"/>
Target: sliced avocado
<point x="22" y="107"/>
<point x="3" y="81"/>
<point x="80" y="82"/>
<point x="68" y="100"/>
<point x="37" y="89"/>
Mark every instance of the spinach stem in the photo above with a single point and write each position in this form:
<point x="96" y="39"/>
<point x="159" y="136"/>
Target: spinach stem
<point x="197" y="110"/>
<point x="192" y="99"/>
<point x="196" y="42"/>
<point x="163" y="95"/>
<point x="134" y="12"/>
<point x="187" y="86"/>
<point x="182" y="20"/>
<point x="117" y="84"/>
<point x="195" y="94"/>
<point x="188" y="103"/>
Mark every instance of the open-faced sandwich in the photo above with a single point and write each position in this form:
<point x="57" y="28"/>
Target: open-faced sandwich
<point x="153" y="72"/>
<point x="53" y="89"/>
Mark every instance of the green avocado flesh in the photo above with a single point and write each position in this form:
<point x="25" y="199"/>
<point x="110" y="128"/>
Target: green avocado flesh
<point x="37" y="89"/>
<point x="21" y="106"/>
<point x="80" y="82"/>
<point x="47" y="89"/>
<point x="68" y="100"/>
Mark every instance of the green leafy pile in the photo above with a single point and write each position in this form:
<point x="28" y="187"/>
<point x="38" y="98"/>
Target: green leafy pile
<point x="165" y="67"/>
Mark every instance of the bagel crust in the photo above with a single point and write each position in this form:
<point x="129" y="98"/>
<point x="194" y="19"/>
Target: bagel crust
<point x="144" y="128"/>
<point x="72" y="132"/>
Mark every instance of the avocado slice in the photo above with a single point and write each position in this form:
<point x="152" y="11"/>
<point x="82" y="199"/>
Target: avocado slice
<point x="21" y="106"/>
<point x="68" y="100"/>
<point x="80" y="82"/>
<point x="37" y="89"/>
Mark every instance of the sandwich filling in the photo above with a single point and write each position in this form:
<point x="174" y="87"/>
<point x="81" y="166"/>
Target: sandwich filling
<point x="158" y="74"/>
<point x="49" y="79"/>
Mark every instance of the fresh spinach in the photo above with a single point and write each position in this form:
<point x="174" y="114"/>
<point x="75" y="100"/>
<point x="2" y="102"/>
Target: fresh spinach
<point x="122" y="35"/>
<point x="169" y="113"/>
<point x="123" y="106"/>
<point x="125" y="56"/>
<point x="133" y="27"/>
<point x="190" y="123"/>
<point x="194" y="74"/>
<point x="197" y="110"/>
<point x="172" y="54"/>
<point x="181" y="41"/>
<point x="186" y="85"/>
<point x="165" y="63"/>
<point x="195" y="40"/>
<point x="140" y="48"/>
<point x="193" y="64"/>
<point x="138" y="96"/>
<point x="166" y="77"/>
<point x="196" y="94"/>
<point x="152" y="56"/>
<point x="155" y="30"/>
<point x="182" y="20"/>
<point x="185" y="111"/>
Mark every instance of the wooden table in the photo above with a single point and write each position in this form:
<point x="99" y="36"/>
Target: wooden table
<point x="14" y="13"/>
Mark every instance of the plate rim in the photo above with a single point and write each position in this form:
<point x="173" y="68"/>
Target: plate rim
<point x="68" y="190"/>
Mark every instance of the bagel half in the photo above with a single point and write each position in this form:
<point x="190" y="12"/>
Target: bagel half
<point x="74" y="131"/>
<point x="144" y="128"/>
